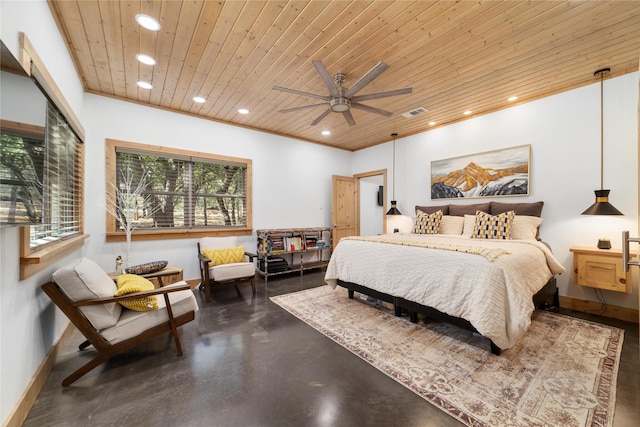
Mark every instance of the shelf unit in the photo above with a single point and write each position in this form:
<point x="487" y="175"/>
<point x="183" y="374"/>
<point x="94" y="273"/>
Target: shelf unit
<point x="300" y="247"/>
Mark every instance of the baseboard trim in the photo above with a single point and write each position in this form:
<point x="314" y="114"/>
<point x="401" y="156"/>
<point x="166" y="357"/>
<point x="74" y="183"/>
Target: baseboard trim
<point x="20" y="411"/>
<point x="194" y="283"/>
<point x="594" y="307"/>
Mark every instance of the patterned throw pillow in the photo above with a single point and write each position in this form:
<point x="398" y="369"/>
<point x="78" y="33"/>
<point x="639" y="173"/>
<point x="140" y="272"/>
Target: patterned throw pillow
<point x="427" y="223"/>
<point x="130" y="283"/>
<point x="225" y="256"/>
<point x="493" y="226"/>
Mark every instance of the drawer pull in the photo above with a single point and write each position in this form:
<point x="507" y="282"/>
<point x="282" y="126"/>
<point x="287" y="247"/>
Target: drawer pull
<point x="598" y="267"/>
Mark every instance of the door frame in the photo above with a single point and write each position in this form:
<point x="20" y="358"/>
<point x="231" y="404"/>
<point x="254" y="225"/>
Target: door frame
<point x="358" y="176"/>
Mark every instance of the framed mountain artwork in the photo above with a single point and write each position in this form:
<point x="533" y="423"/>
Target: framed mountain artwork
<point x="503" y="172"/>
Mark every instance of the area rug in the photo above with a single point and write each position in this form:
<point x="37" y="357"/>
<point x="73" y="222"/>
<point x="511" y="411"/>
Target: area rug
<point x="562" y="373"/>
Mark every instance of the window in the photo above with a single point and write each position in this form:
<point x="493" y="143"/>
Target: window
<point x="21" y="173"/>
<point x="62" y="184"/>
<point x="184" y="194"/>
<point x="41" y="178"/>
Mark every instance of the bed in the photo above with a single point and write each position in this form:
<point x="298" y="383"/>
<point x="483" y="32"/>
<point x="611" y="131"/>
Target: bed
<point x="488" y="285"/>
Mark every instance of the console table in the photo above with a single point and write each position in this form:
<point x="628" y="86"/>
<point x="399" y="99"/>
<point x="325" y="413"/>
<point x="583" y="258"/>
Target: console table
<point x="168" y="275"/>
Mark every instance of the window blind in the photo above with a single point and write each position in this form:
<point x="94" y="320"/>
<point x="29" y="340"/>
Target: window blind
<point x="62" y="183"/>
<point x="184" y="193"/>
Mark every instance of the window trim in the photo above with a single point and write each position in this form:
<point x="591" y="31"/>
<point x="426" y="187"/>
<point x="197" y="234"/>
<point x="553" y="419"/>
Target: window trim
<point x="32" y="262"/>
<point x="164" y="234"/>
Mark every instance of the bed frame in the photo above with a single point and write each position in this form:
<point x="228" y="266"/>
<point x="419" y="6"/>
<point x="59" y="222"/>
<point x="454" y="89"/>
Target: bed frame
<point x="545" y="299"/>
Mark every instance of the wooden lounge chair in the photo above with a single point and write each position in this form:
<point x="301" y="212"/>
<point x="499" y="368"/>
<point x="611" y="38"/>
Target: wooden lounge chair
<point x="84" y="293"/>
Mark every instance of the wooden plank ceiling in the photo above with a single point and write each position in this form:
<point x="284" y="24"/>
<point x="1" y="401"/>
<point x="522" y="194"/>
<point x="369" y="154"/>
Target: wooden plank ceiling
<point x="457" y="56"/>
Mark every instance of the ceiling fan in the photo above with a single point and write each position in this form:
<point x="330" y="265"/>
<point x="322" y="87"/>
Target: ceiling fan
<point x="341" y="99"/>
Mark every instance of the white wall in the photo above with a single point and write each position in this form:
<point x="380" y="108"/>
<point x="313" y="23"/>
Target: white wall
<point x="564" y="134"/>
<point x="29" y="324"/>
<point x="371" y="214"/>
<point x="291" y="179"/>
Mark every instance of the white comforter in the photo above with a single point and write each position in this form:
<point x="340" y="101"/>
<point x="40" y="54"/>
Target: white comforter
<point x="495" y="296"/>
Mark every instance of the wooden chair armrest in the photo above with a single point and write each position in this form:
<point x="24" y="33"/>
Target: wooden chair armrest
<point x="250" y="255"/>
<point x="106" y="300"/>
<point x="203" y="258"/>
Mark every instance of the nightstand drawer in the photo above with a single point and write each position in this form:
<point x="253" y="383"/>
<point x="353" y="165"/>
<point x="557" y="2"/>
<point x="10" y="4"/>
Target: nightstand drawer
<point x="599" y="268"/>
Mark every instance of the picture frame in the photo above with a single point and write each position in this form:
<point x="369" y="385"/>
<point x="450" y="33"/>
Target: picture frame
<point x="496" y="173"/>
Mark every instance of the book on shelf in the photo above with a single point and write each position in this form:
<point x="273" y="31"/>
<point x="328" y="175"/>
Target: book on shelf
<point x="293" y="243"/>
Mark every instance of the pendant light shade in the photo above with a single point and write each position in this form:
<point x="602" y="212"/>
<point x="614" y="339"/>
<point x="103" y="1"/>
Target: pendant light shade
<point x="602" y="205"/>
<point x="394" y="208"/>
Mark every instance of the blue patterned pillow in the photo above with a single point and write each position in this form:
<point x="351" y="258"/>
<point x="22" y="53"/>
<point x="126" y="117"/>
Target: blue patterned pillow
<point x="492" y="226"/>
<point x="427" y="223"/>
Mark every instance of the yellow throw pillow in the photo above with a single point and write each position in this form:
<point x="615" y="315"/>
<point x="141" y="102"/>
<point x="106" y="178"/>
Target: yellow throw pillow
<point x="129" y="283"/>
<point x="225" y="256"/>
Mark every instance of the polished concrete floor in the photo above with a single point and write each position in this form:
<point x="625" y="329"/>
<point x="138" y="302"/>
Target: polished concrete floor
<point x="248" y="362"/>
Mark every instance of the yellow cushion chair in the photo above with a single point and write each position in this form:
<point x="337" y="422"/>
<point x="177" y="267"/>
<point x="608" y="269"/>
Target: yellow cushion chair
<point x="224" y="262"/>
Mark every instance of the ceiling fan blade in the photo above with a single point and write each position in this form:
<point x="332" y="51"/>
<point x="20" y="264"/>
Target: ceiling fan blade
<point x="297" y="92"/>
<point x="349" y="118"/>
<point x="320" y="117"/>
<point x="304" y="107"/>
<point x="371" y="109"/>
<point x="371" y="75"/>
<point x="379" y="95"/>
<point x="326" y="77"/>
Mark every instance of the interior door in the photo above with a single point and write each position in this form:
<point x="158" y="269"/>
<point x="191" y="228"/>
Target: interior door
<point x="344" y="207"/>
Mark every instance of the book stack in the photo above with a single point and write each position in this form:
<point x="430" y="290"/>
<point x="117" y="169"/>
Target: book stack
<point x="310" y="242"/>
<point x="277" y="244"/>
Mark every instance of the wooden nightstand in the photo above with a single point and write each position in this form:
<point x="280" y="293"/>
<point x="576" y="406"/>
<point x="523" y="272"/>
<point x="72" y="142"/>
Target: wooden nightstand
<point x="600" y="268"/>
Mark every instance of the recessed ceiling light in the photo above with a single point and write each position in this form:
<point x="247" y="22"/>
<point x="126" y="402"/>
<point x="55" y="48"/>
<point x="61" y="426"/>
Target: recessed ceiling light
<point x="243" y="111"/>
<point x="145" y="59"/>
<point x="326" y="132"/>
<point x="432" y="123"/>
<point x="145" y="85"/>
<point x="147" y="22"/>
<point x="466" y="113"/>
<point x="199" y="99"/>
<point x="512" y="98"/>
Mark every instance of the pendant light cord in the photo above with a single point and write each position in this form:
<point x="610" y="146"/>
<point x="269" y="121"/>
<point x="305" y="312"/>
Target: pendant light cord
<point x="601" y="130"/>
<point x="394" y="166"/>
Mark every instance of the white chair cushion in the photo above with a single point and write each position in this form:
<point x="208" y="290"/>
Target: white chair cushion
<point x="84" y="279"/>
<point x="223" y="272"/>
<point x="218" y="242"/>
<point x="132" y="323"/>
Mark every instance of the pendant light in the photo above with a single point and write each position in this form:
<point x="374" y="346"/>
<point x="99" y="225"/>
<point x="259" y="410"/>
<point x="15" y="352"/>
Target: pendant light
<point x="602" y="205"/>
<point x="394" y="209"/>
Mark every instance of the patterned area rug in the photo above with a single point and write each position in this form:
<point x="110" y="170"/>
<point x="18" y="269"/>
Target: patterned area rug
<point x="562" y="373"/>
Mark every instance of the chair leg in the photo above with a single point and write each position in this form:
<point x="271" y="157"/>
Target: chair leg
<point x="253" y="284"/>
<point x="99" y="359"/>
<point x="174" y="326"/>
<point x="84" y="345"/>
<point x="207" y="292"/>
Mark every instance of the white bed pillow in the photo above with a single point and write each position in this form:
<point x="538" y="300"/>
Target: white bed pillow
<point x="469" y="223"/>
<point x="450" y="224"/>
<point x="525" y="227"/>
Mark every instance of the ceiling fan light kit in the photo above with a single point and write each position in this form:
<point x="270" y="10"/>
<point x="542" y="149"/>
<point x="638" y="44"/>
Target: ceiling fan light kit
<point x="341" y="99"/>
